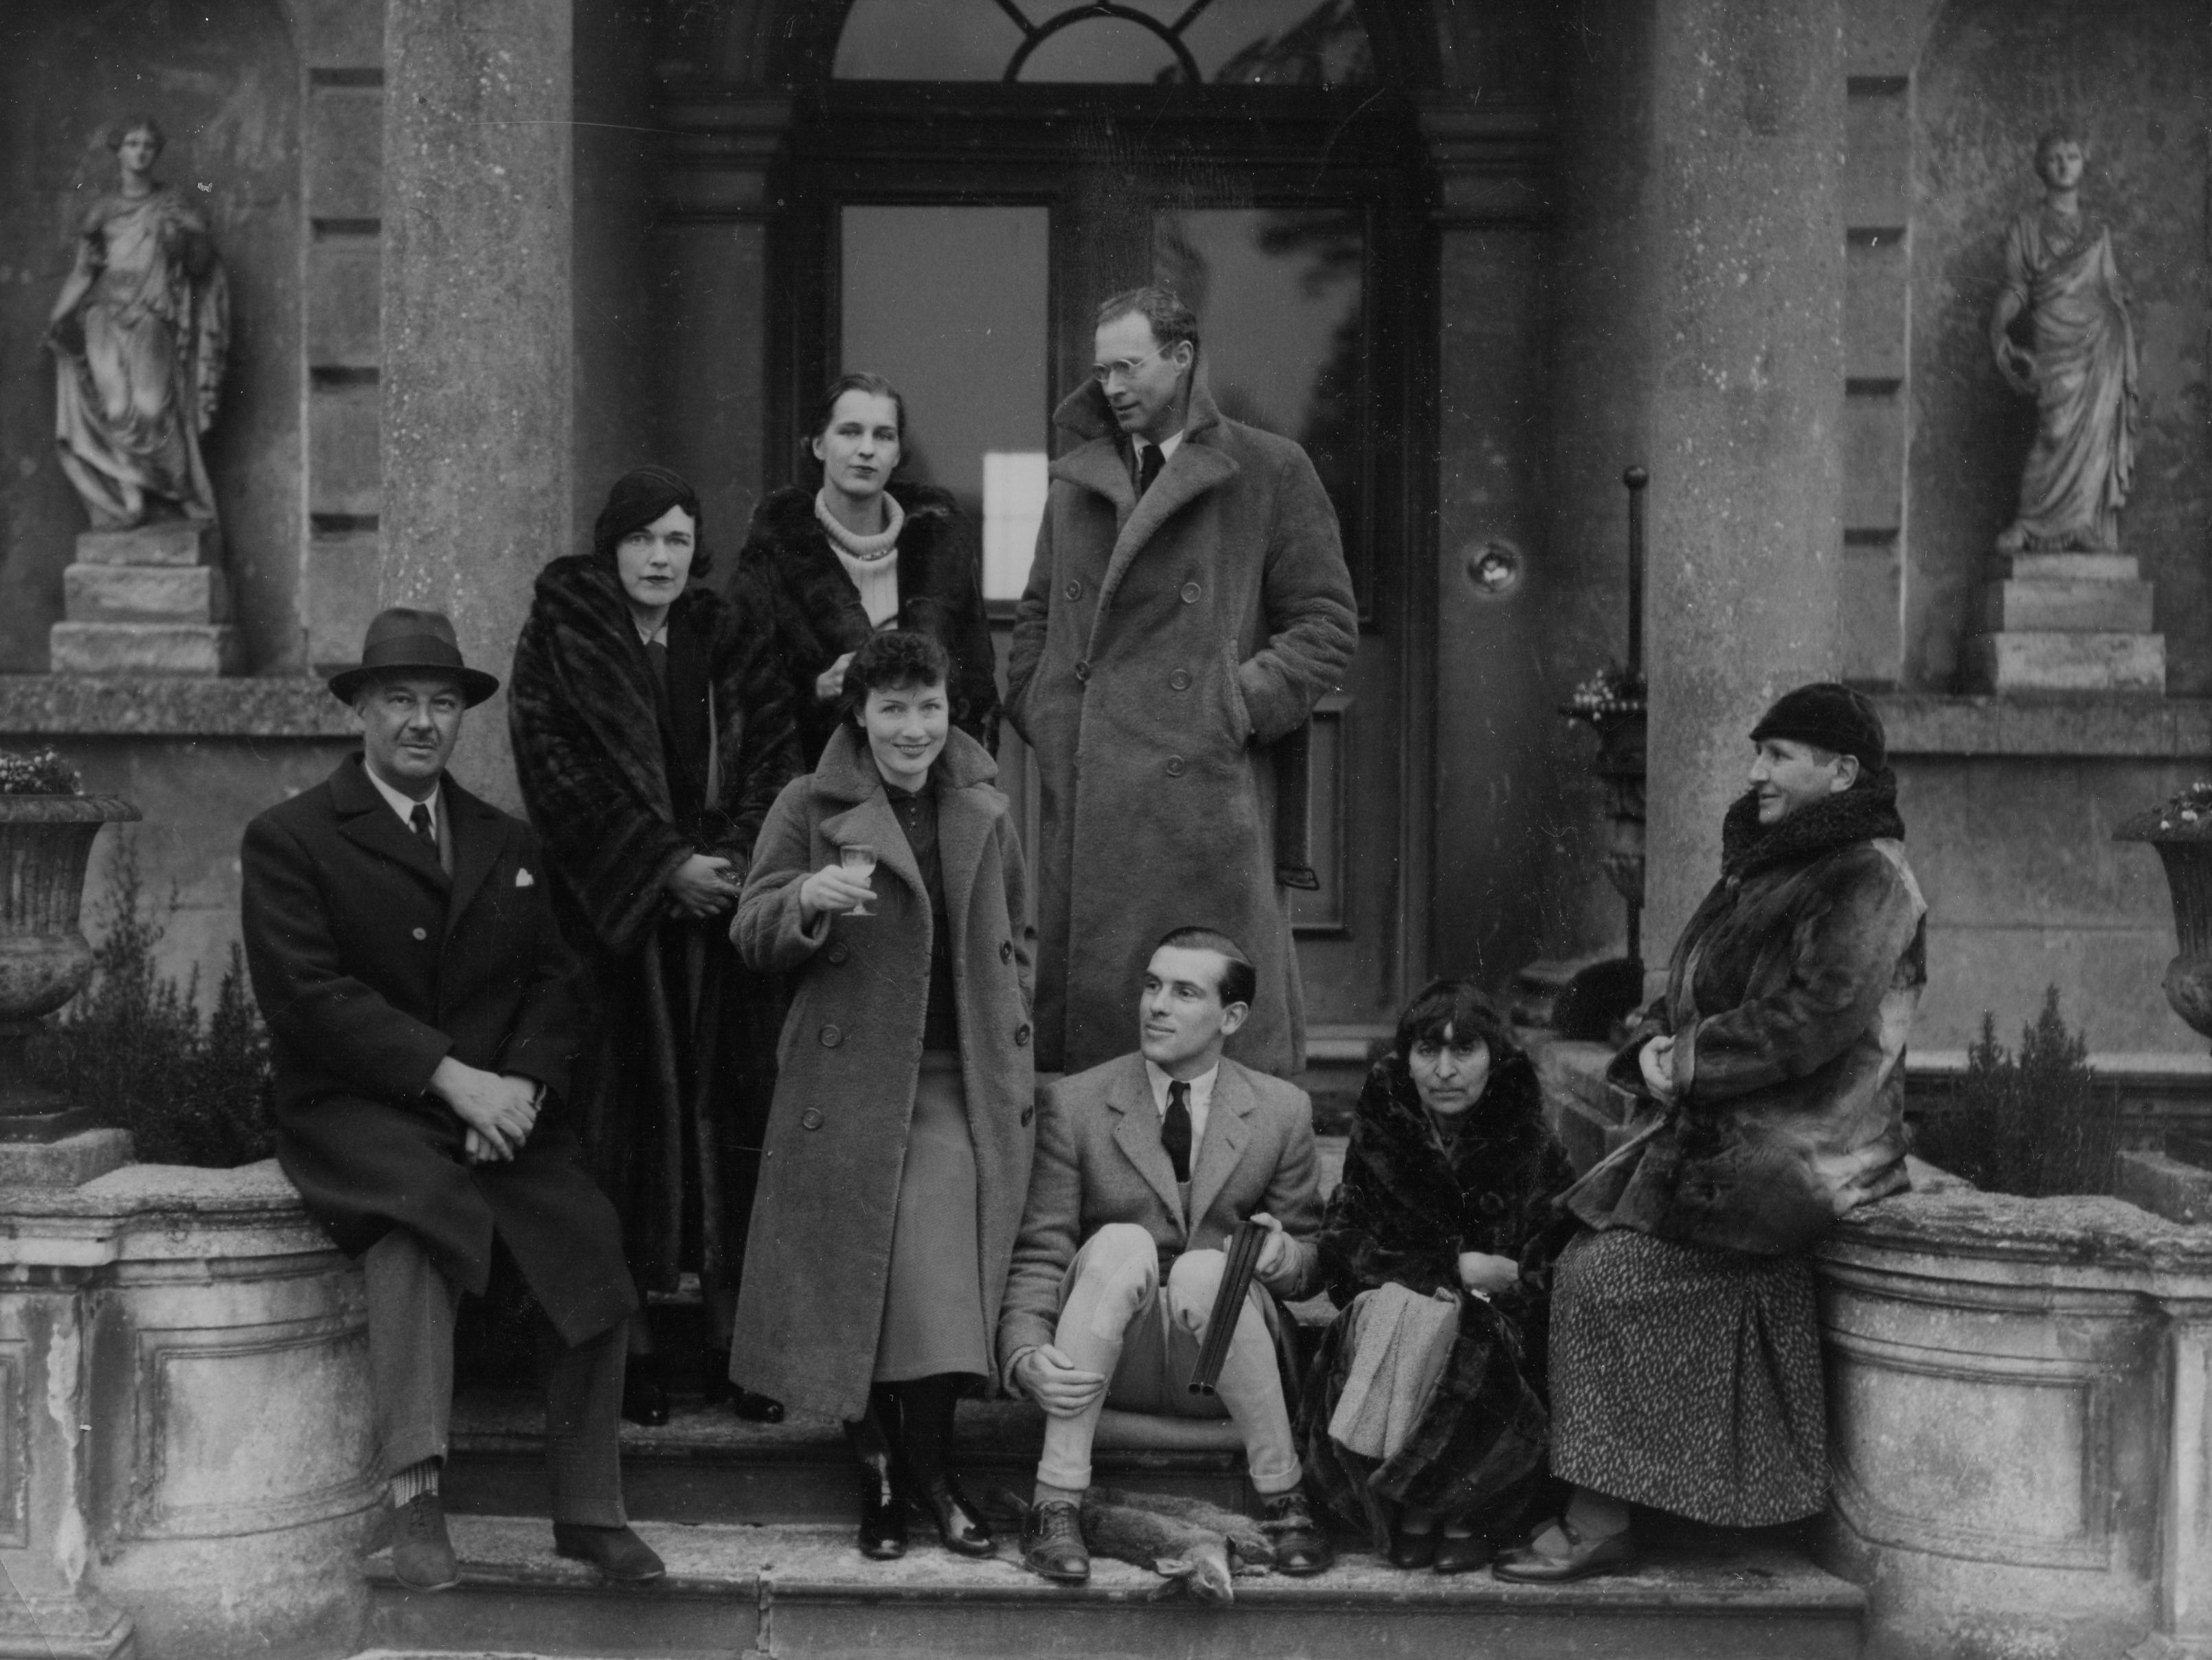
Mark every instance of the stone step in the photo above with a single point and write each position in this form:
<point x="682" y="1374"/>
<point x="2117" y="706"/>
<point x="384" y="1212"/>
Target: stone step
<point x="145" y="593"/>
<point x="199" y="648"/>
<point x="2047" y="661"/>
<point x="804" y="1593"/>
<point x="2065" y="567"/>
<point x="2067" y="607"/>
<point x="175" y="543"/>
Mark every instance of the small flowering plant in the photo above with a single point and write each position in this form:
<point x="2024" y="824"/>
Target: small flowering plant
<point x="1608" y="698"/>
<point x="41" y="772"/>
<point x="2184" y="817"/>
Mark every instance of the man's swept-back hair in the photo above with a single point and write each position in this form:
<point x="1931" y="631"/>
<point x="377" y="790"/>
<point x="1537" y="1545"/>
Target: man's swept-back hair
<point x="1240" y="981"/>
<point x="1163" y="309"/>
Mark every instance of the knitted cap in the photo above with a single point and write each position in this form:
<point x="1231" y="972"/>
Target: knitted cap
<point x="1831" y="716"/>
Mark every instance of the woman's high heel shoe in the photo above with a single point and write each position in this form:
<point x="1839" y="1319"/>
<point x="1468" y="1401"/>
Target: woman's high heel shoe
<point x="882" y="1503"/>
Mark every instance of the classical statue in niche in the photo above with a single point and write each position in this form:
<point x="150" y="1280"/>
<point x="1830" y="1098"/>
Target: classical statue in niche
<point x="140" y="334"/>
<point x="2079" y="366"/>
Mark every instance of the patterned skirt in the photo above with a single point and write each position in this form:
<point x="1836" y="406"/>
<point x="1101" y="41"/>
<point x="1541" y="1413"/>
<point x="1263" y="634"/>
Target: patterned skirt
<point x="1688" y="1379"/>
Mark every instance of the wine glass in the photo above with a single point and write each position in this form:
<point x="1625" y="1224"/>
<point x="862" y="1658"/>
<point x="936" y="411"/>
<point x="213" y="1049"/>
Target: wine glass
<point x="860" y="857"/>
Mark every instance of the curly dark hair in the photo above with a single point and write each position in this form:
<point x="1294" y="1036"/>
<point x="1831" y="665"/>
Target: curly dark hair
<point x="891" y="661"/>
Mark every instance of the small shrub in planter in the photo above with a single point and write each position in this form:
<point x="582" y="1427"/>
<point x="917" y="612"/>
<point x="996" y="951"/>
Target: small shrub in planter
<point x="2033" y="1124"/>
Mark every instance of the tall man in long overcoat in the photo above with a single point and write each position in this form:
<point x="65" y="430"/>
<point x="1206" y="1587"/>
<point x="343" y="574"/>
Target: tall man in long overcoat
<point x="422" y="1011"/>
<point x="1189" y="605"/>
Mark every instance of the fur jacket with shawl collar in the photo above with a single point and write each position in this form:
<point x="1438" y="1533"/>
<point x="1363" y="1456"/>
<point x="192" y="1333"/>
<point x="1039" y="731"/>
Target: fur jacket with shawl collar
<point x="819" y="1255"/>
<point x="588" y="746"/>
<point x="1789" y="999"/>
<point x="816" y="610"/>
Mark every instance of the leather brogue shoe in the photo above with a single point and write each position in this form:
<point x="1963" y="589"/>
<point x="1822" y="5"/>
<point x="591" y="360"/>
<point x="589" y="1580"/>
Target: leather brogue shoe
<point x="422" y="1552"/>
<point x="1460" y="1553"/>
<point x="617" y="1553"/>
<point x="1051" y="1542"/>
<point x="1577" y="1557"/>
<point x="1412" y="1550"/>
<point x="1300" y="1547"/>
<point x="958" y="1523"/>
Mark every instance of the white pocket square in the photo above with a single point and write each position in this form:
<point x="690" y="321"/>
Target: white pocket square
<point x="523" y="879"/>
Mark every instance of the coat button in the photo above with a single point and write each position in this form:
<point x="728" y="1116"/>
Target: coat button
<point x="1005" y="950"/>
<point x="1175" y="766"/>
<point x="1021" y="1035"/>
<point x="838" y="953"/>
<point x="1083" y="672"/>
<point x="421" y="934"/>
<point x="1190" y="592"/>
<point x="810" y="1120"/>
<point x="831" y="1037"/>
<point x="1074" y="590"/>
<point x="1179" y="679"/>
<point x="1027" y="1113"/>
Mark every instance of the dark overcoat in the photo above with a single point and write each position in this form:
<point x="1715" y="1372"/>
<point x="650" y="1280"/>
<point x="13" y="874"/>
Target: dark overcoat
<point x="818" y="1257"/>
<point x="817" y="615"/>
<point x="1407" y="1205"/>
<point x="674" y="1078"/>
<point x="1791" y="996"/>
<point x="1161" y="648"/>
<point x="371" y="966"/>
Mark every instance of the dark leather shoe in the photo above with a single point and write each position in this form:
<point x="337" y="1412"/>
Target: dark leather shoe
<point x="1051" y="1542"/>
<point x="958" y="1524"/>
<point x="617" y="1553"/>
<point x="1582" y="1559"/>
<point x="422" y="1553"/>
<point x="883" y="1523"/>
<point x="1412" y="1550"/>
<point x="1300" y="1547"/>
<point x="1461" y="1555"/>
<point x="645" y="1397"/>
<point x="756" y="1409"/>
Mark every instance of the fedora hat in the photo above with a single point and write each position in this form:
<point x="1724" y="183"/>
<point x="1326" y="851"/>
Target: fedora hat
<point x="404" y="640"/>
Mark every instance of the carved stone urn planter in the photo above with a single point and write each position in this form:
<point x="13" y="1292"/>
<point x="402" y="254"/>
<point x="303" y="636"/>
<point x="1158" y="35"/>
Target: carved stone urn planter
<point x="45" y="844"/>
<point x="2181" y="830"/>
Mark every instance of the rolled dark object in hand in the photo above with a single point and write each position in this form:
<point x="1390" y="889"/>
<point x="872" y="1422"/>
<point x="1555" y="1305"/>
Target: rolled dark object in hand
<point x="1236" y="1281"/>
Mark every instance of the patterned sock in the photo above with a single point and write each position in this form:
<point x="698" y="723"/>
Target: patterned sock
<point x="411" y="1483"/>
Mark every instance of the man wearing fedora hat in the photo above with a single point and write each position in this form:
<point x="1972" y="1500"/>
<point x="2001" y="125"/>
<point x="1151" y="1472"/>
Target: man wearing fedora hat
<point x="422" y="1009"/>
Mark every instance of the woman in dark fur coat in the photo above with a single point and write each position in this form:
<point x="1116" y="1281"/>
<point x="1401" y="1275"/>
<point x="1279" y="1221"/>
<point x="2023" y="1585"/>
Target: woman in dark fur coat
<point x="863" y="553"/>
<point x="1424" y="1415"/>
<point x="652" y="733"/>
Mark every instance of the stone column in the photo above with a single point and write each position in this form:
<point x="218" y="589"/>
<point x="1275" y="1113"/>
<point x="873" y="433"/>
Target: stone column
<point x="2184" y="1612"/>
<point x="1745" y="266"/>
<point x="476" y="375"/>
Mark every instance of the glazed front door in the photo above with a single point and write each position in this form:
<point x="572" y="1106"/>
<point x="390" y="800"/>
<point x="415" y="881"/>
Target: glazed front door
<point x="967" y="265"/>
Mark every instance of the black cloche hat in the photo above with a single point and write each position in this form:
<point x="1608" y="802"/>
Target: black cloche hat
<point x="404" y="640"/>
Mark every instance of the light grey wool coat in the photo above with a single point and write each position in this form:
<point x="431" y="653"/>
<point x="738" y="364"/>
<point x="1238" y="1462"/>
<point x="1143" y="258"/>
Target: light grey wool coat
<point x="818" y="1257"/>
<point x="1161" y="648"/>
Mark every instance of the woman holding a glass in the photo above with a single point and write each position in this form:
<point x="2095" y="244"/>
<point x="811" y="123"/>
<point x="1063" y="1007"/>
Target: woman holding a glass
<point x="888" y="886"/>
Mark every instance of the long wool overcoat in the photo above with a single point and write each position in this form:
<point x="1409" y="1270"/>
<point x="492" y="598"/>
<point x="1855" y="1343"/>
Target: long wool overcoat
<point x="1789" y="999"/>
<point x="673" y="1083"/>
<point x="818" y="1258"/>
<point x="1161" y="647"/>
<point x="816" y="610"/>
<point x="371" y="965"/>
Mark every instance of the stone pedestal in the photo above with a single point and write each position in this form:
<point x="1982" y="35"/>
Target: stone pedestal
<point x="2066" y="621"/>
<point x="152" y="600"/>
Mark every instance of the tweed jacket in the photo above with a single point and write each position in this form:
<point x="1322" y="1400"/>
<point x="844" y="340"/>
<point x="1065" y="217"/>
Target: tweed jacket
<point x="1163" y="652"/>
<point x="371" y="966"/>
<point x="1099" y="1160"/>
<point x="817" y="1258"/>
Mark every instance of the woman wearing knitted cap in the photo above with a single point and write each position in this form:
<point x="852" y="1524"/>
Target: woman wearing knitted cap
<point x="863" y="552"/>
<point x="652" y="733"/>
<point x="1686" y="1364"/>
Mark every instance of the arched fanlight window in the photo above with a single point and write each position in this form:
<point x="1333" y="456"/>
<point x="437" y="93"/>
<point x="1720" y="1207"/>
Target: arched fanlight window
<point x="1311" y="43"/>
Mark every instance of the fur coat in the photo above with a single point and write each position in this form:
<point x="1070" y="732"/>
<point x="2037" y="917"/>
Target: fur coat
<point x="676" y="1076"/>
<point x="1407" y="1205"/>
<point x="1790" y="998"/>
<point x="1164" y="650"/>
<point x="815" y="613"/>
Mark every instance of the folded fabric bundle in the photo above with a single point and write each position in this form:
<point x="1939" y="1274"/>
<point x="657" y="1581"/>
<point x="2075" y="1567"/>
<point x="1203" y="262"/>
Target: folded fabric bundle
<point x="1401" y="1343"/>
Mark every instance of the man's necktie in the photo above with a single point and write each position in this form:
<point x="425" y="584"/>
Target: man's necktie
<point x="1149" y="460"/>
<point x="421" y="819"/>
<point x="1175" y="1128"/>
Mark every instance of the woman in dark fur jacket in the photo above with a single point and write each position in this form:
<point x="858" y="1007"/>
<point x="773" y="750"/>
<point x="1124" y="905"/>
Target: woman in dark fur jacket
<point x="652" y="733"/>
<point x="863" y="553"/>
<point x="1423" y="1417"/>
